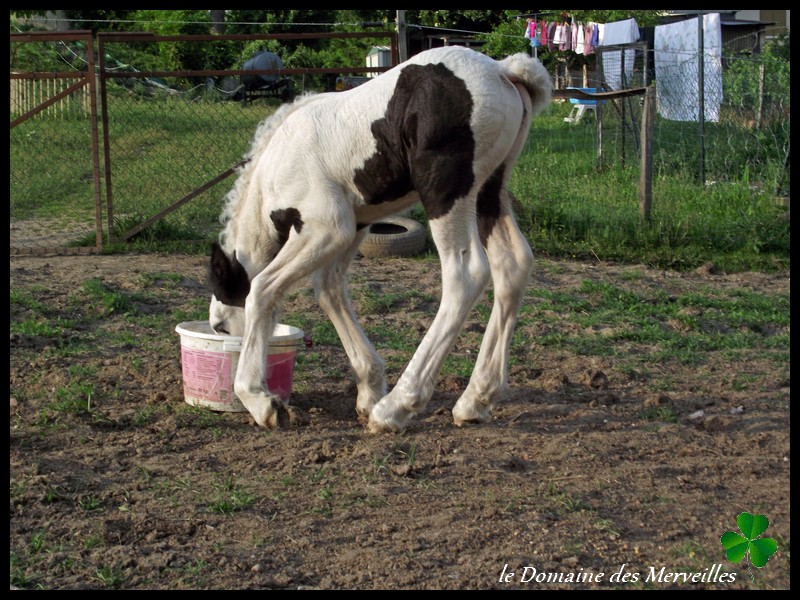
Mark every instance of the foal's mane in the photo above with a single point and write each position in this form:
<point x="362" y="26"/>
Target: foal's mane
<point x="231" y="203"/>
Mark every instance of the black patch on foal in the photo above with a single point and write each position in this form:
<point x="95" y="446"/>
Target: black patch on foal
<point x="228" y="278"/>
<point x="284" y="219"/>
<point x="424" y="142"/>
<point x="488" y="204"/>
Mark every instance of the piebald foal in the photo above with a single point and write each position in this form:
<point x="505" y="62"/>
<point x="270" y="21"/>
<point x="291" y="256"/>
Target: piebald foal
<point x="444" y="128"/>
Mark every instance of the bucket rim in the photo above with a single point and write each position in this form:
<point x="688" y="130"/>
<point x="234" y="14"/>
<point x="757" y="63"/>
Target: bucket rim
<point x="282" y="333"/>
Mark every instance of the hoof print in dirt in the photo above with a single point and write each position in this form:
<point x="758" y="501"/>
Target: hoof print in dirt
<point x="595" y="379"/>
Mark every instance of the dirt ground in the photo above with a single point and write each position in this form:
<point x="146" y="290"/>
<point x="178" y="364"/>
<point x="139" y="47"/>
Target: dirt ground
<point x="568" y="482"/>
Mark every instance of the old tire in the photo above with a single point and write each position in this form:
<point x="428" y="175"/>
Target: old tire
<point x="394" y="236"/>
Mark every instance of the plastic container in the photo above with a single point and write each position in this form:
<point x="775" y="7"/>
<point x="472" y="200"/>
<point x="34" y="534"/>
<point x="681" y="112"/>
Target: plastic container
<point x="209" y="362"/>
<point x="581" y="100"/>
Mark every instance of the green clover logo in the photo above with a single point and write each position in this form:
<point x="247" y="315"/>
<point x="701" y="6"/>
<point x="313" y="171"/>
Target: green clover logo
<point x="749" y="544"/>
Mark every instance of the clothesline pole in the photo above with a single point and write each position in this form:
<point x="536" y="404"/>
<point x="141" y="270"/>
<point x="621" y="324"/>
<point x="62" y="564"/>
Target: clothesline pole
<point x="646" y="173"/>
<point x="701" y="97"/>
<point x="623" y="85"/>
<point x="599" y="114"/>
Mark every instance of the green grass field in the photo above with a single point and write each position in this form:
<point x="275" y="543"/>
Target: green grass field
<point x="162" y="149"/>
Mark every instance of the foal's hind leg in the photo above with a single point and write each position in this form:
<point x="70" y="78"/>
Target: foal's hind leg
<point x="330" y="287"/>
<point x="465" y="273"/>
<point x="511" y="261"/>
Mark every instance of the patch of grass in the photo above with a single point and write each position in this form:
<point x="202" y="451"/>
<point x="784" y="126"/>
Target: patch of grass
<point x="111" y="576"/>
<point x="37" y="327"/>
<point x="25" y="299"/>
<point x="195" y="570"/>
<point x="144" y="415"/>
<point x="74" y="398"/>
<point x="19" y="571"/>
<point x="197" y="417"/>
<point x="229" y="496"/>
<point x="169" y="280"/>
<point x="158" y="236"/>
<point x="318" y="475"/>
<point x="83" y="371"/>
<point x="109" y="301"/>
<point x="460" y="365"/>
<point x="401" y="338"/>
<point x="197" y="310"/>
<point x="373" y="302"/>
<point x="734" y="224"/>
<point x="324" y="333"/>
<point x="743" y="381"/>
<point x="660" y="413"/>
<point x="653" y="327"/>
<point x="607" y="525"/>
<point x="90" y="503"/>
<point x="564" y="500"/>
<point x="37" y="542"/>
<point x="92" y="541"/>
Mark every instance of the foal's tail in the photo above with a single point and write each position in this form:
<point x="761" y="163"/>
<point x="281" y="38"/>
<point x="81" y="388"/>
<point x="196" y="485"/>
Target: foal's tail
<point x="522" y="69"/>
<point x="535" y="90"/>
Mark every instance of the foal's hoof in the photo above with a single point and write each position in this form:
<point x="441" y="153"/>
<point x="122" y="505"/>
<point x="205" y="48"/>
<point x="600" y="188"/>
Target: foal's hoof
<point x="386" y="418"/>
<point x="383" y="427"/>
<point x="269" y="413"/>
<point x="297" y="417"/>
<point x="473" y="416"/>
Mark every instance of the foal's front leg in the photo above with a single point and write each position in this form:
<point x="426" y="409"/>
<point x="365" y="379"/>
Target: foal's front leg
<point x="265" y="407"/>
<point x="302" y="254"/>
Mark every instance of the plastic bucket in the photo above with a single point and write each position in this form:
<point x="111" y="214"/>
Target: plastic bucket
<point x="209" y="362"/>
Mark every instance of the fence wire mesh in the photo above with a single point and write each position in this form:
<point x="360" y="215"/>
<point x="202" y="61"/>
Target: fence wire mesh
<point x="52" y="200"/>
<point x="170" y="135"/>
<point x="165" y="145"/>
<point x="744" y="137"/>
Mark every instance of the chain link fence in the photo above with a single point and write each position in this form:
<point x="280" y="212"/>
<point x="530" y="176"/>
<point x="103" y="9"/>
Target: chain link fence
<point x="168" y="141"/>
<point x="53" y="170"/>
<point x="744" y="135"/>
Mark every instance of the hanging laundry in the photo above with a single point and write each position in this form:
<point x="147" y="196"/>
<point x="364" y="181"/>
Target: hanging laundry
<point x="676" y="51"/>
<point x="528" y="28"/>
<point x="530" y="33"/>
<point x="566" y="37"/>
<point x="580" y="42"/>
<point x="574" y="30"/>
<point x="551" y="36"/>
<point x="620" y="32"/>
<point x="616" y="34"/>
<point x="588" y="47"/>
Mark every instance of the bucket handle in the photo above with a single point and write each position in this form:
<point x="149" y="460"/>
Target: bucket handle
<point x="230" y="346"/>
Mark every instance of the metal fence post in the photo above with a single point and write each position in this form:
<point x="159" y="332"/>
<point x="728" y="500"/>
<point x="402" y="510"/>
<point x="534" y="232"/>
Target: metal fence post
<point x="646" y="176"/>
<point x="701" y="92"/>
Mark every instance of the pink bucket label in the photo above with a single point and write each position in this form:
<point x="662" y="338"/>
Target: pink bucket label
<point x="207" y="375"/>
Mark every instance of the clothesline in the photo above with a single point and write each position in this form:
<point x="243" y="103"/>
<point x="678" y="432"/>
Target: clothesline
<point x="579" y="37"/>
<point x="582" y="38"/>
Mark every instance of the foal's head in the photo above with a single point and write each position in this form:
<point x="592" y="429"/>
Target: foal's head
<point x="230" y="285"/>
